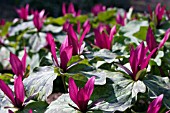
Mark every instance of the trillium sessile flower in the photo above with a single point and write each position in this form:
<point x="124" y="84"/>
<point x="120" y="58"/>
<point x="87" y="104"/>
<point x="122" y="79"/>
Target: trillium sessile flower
<point x="23" y="12"/>
<point x="18" y="66"/>
<point x="97" y="9"/>
<point x="81" y="96"/>
<point x="138" y="60"/>
<point x="73" y="40"/>
<point x="16" y="98"/>
<point x="65" y="52"/>
<point x="151" y="41"/>
<point x="121" y="19"/>
<point x="38" y="19"/>
<point x="159" y="12"/>
<point x="102" y="39"/>
<point x="155" y="105"/>
<point x="70" y="10"/>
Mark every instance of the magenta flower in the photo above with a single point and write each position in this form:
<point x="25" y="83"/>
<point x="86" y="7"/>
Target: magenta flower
<point x="121" y="20"/>
<point x="70" y="10"/>
<point x="18" y="66"/>
<point x="39" y="19"/>
<point x="2" y="22"/>
<point x="138" y="59"/>
<point x="159" y="11"/>
<point x="155" y="105"/>
<point x="97" y="9"/>
<point x="65" y="52"/>
<point x="16" y="98"/>
<point x="151" y="41"/>
<point x="73" y="39"/>
<point x="23" y="12"/>
<point x="102" y="39"/>
<point x="81" y="96"/>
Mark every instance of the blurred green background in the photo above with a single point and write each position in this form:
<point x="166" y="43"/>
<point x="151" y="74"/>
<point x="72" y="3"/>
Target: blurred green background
<point x="53" y="7"/>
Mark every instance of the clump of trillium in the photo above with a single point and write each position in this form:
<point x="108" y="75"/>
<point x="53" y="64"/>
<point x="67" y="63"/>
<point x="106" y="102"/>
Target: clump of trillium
<point x="121" y="20"/>
<point x="155" y="105"/>
<point x="97" y="9"/>
<point x="81" y="96"/>
<point x="73" y="40"/>
<point x="23" y="12"/>
<point x="138" y="60"/>
<point x="159" y="12"/>
<point x="39" y="19"/>
<point x="104" y="36"/>
<point x="70" y="10"/>
<point x="65" y="52"/>
<point x="16" y="98"/>
<point x="151" y="41"/>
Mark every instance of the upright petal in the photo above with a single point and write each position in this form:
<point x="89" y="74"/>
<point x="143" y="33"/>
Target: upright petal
<point x="7" y="91"/>
<point x="19" y="91"/>
<point x="73" y="40"/>
<point x="145" y="62"/>
<point x="112" y="32"/>
<point x="16" y="65"/>
<point x="83" y="100"/>
<point x="64" y="9"/>
<point x="24" y="59"/>
<point x="65" y="56"/>
<point x="155" y="105"/>
<point x="2" y="22"/>
<point x="71" y="9"/>
<point x="167" y="34"/>
<point x="89" y="86"/>
<point x="150" y="40"/>
<point x="73" y="90"/>
<point x="78" y="27"/>
<point x="51" y="43"/>
<point x="86" y="29"/>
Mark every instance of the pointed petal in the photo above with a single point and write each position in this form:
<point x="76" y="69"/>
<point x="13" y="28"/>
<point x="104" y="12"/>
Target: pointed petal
<point x="19" y="90"/>
<point x="150" y="39"/>
<point x="64" y="44"/>
<point x="78" y="13"/>
<point x="51" y="43"/>
<point x="73" y="90"/>
<point x="133" y="61"/>
<point x="83" y="100"/>
<point x="24" y="59"/>
<point x="65" y="56"/>
<point x="78" y="27"/>
<point x="86" y="29"/>
<point x="167" y="35"/>
<point x="7" y="91"/>
<point x="73" y="40"/>
<point x="145" y="62"/>
<point x="89" y="86"/>
<point x="16" y="65"/>
<point x="112" y="32"/>
<point x="71" y="8"/>
<point x="155" y="105"/>
<point x="64" y="9"/>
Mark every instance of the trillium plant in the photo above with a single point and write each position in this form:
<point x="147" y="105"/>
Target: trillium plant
<point x="107" y="60"/>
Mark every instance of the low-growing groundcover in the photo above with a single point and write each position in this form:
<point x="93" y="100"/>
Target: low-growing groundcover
<point x="105" y="61"/>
